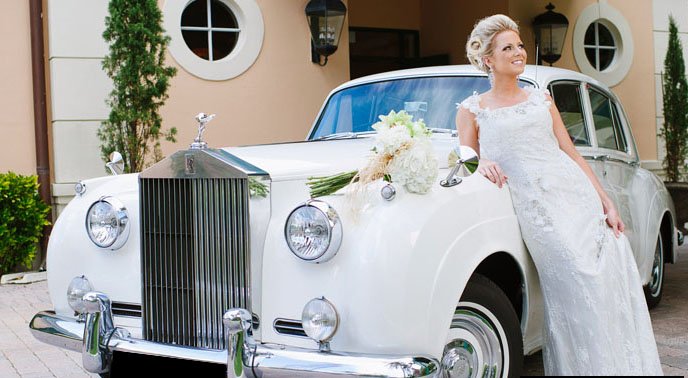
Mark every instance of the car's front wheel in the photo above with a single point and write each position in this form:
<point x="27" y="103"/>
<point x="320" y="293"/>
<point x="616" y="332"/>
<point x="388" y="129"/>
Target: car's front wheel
<point x="485" y="336"/>
<point x="655" y="288"/>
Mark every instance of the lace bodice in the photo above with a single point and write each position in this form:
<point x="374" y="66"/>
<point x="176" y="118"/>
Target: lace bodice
<point x="596" y="319"/>
<point x="520" y="138"/>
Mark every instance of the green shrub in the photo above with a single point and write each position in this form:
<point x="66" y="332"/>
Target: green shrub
<point x="22" y="218"/>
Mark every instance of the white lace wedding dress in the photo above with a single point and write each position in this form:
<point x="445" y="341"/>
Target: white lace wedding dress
<point x="596" y="319"/>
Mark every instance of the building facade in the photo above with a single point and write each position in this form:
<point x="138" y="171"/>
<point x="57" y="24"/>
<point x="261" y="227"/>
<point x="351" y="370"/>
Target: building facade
<point x="258" y="77"/>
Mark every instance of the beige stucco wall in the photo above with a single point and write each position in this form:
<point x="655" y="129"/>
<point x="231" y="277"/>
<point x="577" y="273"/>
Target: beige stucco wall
<point x="18" y="152"/>
<point x="277" y="99"/>
<point x="639" y="80"/>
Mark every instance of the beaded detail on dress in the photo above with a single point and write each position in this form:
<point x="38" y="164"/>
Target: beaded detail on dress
<point x="596" y="319"/>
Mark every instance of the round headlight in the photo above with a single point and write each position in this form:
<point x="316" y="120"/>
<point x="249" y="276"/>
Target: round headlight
<point x="320" y="320"/>
<point x="313" y="231"/>
<point x="107" y="223"/>
<point x="75" y="293"/>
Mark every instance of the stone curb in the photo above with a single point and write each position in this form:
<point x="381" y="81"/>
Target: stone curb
<point x="23" y="278"/>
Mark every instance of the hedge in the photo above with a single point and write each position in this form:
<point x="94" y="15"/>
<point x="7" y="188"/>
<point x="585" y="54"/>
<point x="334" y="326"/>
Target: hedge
<point x="22" y="218"/>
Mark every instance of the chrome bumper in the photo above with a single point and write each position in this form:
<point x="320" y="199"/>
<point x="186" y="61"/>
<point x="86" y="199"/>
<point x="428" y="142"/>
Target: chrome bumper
<point x="97" y="339"/>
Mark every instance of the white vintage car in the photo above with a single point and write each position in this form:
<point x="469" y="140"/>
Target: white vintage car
<point x="219" y="258"/>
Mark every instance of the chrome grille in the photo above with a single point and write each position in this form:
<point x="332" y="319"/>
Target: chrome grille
<point x="194" y="257"/>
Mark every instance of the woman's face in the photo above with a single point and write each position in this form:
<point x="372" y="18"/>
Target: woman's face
<point x="508" y="54"/>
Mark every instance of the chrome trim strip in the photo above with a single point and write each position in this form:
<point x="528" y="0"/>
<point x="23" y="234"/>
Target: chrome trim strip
<point x="205" y="163"/>
<point x="267" y="359"/>
<point x="605" y="157"/>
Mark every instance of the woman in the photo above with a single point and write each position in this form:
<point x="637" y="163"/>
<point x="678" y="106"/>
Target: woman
<point x="596" y="319"/>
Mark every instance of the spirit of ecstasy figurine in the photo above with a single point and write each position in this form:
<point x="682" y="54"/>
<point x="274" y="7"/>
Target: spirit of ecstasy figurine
<point x="202" y="119"/>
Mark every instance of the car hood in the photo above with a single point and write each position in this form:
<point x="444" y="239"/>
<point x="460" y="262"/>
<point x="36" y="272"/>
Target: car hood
<point x="300" y="160"/>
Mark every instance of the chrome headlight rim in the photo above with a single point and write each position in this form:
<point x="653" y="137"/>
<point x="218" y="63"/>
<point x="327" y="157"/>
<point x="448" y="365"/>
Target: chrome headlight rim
<point x="331" y="331"/>
<point x="122" y="221"/>
<point x="335" y="230"/>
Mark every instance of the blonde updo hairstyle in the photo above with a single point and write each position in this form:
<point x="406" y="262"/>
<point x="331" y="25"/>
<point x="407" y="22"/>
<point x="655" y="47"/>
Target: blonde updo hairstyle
<point x="479" y="44"/>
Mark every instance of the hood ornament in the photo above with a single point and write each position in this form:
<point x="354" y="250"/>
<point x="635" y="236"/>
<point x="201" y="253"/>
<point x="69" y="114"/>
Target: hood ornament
<point x="202" y="119"/>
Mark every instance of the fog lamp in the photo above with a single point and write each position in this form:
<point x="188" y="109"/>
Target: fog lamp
<point x="75" y="293"/>
<point x="320" y="320"/>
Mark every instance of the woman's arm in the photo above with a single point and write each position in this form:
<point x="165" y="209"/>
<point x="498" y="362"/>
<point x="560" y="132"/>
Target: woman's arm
<point x="613" y="218"/>
<point x="468" y="136"/>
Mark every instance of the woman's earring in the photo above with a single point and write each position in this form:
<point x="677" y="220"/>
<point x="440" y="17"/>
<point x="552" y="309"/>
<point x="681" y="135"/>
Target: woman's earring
<point x="490" y="76"/>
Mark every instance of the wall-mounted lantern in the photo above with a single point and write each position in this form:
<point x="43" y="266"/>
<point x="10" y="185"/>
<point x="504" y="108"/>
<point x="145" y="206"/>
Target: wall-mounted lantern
<point x="550" y="32"/>
<point x="326" y="19"/>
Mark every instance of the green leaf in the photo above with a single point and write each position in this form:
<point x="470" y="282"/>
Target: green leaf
<point x="22" y="217"/>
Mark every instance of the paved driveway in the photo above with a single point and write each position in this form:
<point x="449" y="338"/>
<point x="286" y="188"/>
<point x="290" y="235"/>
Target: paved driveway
<point x="23" y="356"/>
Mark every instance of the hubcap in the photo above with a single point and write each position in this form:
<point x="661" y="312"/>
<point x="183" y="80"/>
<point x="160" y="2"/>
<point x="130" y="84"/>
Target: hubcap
<point x="473" y="347"/>
<point x="657" y="269"/>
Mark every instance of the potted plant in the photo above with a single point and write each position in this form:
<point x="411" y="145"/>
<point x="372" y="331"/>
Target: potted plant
<point x="675" y="127"/>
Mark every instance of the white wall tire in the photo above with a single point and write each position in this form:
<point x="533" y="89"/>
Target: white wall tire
<point x="484" y="338"/>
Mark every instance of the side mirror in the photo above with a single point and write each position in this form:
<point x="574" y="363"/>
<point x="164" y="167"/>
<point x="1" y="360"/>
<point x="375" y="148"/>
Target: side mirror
<point x="465" y="162"/>
<point x="116" y="164"/>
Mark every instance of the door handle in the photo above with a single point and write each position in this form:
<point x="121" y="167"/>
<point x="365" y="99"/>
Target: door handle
<point x="600" y="157"/>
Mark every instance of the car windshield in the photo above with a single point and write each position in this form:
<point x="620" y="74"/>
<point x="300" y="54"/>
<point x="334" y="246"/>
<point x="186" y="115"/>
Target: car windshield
<point x="354" y="110"/>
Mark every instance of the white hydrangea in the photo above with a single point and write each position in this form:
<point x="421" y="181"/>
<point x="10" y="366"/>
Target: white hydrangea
<point x="391" y="139"/>
<point x="415" y="168"/>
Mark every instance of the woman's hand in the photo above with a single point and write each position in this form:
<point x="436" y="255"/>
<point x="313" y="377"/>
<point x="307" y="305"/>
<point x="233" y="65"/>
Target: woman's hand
<point x="613" y="219"/>
<point x="492" y="171"/>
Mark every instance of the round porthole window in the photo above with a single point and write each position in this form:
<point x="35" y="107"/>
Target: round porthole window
<point x="209" y="29"/>
<point x="603" y="43"/>
<point x="214" y="39"/>
<point x="600" y="46"/>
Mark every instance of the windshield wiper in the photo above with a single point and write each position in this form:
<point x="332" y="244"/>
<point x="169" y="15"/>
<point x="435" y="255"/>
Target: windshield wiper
<point x="345" y="135"/>
<point x="440" y="130"/>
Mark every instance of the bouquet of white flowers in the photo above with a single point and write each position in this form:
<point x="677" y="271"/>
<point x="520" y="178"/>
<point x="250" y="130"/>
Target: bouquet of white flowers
<point x="402" y="154"/>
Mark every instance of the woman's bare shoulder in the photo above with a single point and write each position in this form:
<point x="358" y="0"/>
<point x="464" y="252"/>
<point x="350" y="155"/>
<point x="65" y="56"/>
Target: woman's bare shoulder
<point x="470" y="105"/>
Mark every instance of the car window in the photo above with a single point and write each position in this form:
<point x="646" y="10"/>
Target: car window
<point x="607" y="122"/>
<point x="433" y="99"/>
<point x="567" y="98"/>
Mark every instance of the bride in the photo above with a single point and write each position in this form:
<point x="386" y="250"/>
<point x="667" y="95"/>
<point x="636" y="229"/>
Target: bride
<point x="596" y="319"/>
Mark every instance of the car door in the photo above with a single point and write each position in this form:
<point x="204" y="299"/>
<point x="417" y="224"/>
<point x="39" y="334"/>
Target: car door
<point x="615" y="152"/>
<point x="568" y="96"/>
<point x="599" y="137"/>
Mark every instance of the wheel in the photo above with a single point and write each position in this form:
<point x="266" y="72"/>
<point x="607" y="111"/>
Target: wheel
<point x="485" y="336"/>
<point x="655" y="288"/>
